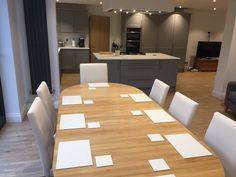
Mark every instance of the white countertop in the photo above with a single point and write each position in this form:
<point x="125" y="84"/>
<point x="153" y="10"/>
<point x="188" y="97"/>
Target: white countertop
<point x="147" y="56"/>
<point x="72" y="48"/>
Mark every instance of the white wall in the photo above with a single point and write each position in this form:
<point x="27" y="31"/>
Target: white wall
<point x="11" y="62"/>
<point x="53" y="52"/>
<point x="226" y="67"/>
<point x="203" y="22"/>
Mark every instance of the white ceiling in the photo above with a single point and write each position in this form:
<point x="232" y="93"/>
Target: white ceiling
<point x="221" y="5"/>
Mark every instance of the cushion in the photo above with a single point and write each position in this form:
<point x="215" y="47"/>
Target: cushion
<point x="232" y="96"/>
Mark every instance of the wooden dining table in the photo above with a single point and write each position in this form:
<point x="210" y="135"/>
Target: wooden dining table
<point x="124" y="137"/>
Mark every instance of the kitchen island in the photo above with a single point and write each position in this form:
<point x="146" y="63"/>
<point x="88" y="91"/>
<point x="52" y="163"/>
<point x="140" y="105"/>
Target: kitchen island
<point x="140" y="70"/>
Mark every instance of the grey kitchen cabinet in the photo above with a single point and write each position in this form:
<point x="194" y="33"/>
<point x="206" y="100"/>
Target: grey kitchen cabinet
<point x="149" y="33"/>
<point x="68" y="61"/>
<point x="173" y="30"/>
<point x="58" y="21"/>
<point x="168" y="72"/>
<point x="67" y="21"/>
<point x="180" y="38"/>
<point x="165" y="34"/>
<point x="134" y="21"/>
<point x="72" y="21"/>
<point x="82" y="56"/>
<point x="142" y="73"/>
<point x="81" y="21"/>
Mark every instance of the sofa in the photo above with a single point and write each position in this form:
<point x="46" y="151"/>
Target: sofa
<point x="230" y="97"/>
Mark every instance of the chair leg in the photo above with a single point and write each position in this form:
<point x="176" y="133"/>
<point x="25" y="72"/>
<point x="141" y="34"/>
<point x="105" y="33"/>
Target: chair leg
<point x="226" y="109"/>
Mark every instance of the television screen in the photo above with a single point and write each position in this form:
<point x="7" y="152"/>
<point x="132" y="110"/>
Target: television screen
<point x="206" y="49"/>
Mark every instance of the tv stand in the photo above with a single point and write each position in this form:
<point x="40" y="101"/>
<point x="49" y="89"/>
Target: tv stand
<point x="206" y="64"/>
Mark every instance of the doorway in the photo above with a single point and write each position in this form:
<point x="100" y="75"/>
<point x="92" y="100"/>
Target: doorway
<point x="99" y="35"/>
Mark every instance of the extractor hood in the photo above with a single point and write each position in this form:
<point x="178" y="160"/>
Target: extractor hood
<point x="139" y="5"/>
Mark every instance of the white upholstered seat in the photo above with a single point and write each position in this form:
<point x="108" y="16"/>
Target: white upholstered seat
<point x="183" y="109"/>
<point x="159" y="91"/>
<point x="221" y="137"/>
<point x="46" y="97"/>
<point x="93" y="72"/>
<point x="42" y="133"/>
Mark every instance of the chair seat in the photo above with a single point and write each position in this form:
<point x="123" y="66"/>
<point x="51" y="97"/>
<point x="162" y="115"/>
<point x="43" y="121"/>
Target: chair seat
<point x="232" y="96"/>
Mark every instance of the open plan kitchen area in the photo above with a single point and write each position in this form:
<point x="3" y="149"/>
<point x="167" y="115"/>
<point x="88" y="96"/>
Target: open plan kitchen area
<point x="117" y="88"/>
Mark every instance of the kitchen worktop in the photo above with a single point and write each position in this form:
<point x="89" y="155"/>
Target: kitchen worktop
<point x="147" y="56"/>
<point x="72" y="48"/>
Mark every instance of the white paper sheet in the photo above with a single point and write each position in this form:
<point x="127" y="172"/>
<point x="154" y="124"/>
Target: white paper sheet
<point x="94" y="125"/>
<point x="124" y="95"/>
<point x="159" y="164"/>
<point x="187" y="146"/>
<point x="73" y="154"/>
<point x="136" y="113"/>
<point x="170" y="175"/>
<point x="72" y="121"/>
<point x="159" y="116"/>
<point x="140" y="97"/>
<point x="69" y="100"/>
<point x="92" y="88"/>
<point x="103" y="161"/>
<point x="98" y="84"/>
<point x="88" y="102"/>
<point x="155" y="137"/>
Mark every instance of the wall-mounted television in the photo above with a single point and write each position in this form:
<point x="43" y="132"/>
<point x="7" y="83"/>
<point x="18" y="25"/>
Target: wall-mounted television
<point x="208" y="49"/>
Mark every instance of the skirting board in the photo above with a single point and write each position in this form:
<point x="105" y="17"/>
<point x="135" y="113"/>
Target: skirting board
<point x="17" y="117"/>
<point x="219" y="95"/>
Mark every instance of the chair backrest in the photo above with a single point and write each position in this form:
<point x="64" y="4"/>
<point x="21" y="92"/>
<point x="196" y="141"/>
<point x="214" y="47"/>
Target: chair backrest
<point x="183" y="109"/>
<point x="41" y="130"/>
<point x="93" y="72"/>
<point x="220" y="136"/>
<point x="159" y="91"/>
<point x="46" y="97"/>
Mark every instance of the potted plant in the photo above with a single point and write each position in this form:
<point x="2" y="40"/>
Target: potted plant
<point x="116" y="48"/>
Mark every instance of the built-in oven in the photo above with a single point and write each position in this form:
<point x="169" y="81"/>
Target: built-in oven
<point x="133" y="37"/>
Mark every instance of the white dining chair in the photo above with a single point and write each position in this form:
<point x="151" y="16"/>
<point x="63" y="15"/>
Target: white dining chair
<point x="41" y="129"/>
<point x="159" y="91"/>
<point x="183" y="109"/>
<point x="220" y="136"/>
<point x="93" y="72"/>
<point x="46" y="97"/>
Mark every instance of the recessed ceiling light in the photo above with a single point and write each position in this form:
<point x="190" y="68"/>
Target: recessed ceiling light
<point x="214" y="8"/>
<point x="180" y="7"/>
<point x="115" y="11"/>
<point x="213" y="0"/>
<point x="57" y="0"/>
<point x="159" y="12"/>
<point x="134" y="11"/>
<point x="150" y="13"/>
<point x="100" y="2"/>
<point x="147" y="11"/>
<point x="121" y="10"/>
<point x="127" y="12"/>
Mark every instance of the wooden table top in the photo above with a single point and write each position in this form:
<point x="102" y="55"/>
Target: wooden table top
<point x="124" y="137"/>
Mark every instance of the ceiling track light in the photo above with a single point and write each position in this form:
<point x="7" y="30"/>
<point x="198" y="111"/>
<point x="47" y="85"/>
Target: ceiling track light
<point x="100" y="2"/>
<point x="213" y="0"/>
<point x="214" y="8"/>
<point x="134" y="11"/>
<point x="115" y="11"/>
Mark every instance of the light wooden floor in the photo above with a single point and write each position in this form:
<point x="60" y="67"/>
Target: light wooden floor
<point x="18" y="153"/>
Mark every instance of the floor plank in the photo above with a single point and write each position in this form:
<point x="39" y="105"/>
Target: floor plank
<point x="18" y="152"/>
